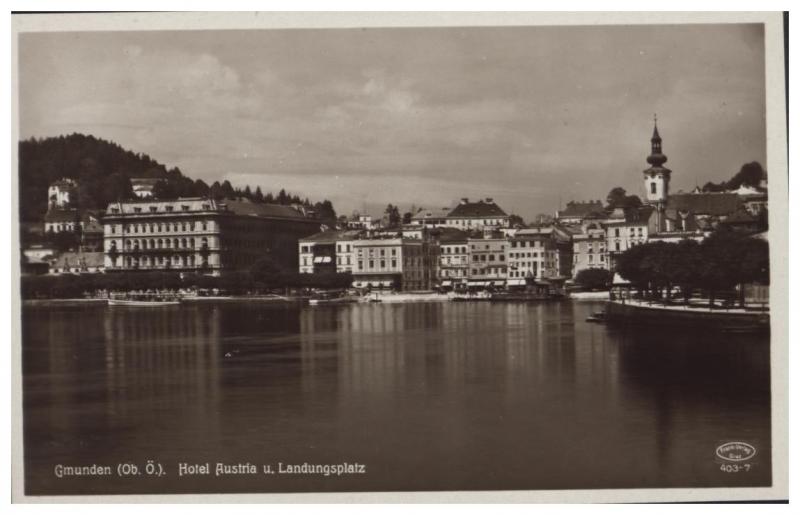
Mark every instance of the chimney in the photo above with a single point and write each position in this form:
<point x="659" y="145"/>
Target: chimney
<point x="464" y="200"/>
<point x="489" y="200"/>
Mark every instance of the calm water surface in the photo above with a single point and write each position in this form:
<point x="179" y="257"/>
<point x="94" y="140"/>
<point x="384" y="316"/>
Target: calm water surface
<point x="437" y="396"/>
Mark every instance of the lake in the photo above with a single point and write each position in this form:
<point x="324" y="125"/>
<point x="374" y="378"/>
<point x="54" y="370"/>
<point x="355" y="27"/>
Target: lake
<point x="427" y="396"/>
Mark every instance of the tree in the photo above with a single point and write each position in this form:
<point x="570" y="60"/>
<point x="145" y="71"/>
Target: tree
<point x="516" y="221"/>
<point x="266" y="272"/>
<point x="202" y="189"/>
<point x="750" y="174"/>
<point x="407" y="218"/>
<point x="165" y="190"/>
<point x="392" y="214"/>
<point x="282" y="198"/>
<point x="227" y="190"/>
<point x="618" y="197"/>
<point x="216" y="191"/>
<point x="258" y="196"/>
<point x="594" y="279"/>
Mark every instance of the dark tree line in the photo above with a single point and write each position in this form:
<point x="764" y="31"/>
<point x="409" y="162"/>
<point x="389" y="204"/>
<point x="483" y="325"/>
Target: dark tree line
<point x="750" y="174"/>
<point x="243" y="282"/>
<point x="594" y="279"/>
<point x="716" y="266"/>
<point x="103" y="171"/>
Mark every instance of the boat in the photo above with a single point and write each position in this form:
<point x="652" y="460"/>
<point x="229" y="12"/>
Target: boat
<point x="469" y="297"/>
<point x="597" y="316"/>
<point x="141" y="303"/>
<point x="520" y="296"/>
<point x="325" y="298"/>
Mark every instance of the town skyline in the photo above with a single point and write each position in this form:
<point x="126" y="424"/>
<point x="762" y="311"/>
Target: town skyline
<point x="423" y="111"/>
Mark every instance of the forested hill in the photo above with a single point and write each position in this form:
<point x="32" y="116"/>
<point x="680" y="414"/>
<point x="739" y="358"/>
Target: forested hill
<point x="103" y="171"/>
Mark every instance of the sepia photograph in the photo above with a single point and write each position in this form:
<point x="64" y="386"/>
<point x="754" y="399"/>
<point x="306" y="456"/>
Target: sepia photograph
<point x="480" y="253"/>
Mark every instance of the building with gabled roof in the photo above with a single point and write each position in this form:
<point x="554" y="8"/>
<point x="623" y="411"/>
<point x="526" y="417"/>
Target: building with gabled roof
<point x="143" y="186"/>
<point x="59" y="193"/>
<point x="576" y="212"/>
<point x="483" y="214"/>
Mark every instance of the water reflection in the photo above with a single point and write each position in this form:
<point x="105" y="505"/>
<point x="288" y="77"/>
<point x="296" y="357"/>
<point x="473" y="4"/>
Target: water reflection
<point x="431" y="396"/>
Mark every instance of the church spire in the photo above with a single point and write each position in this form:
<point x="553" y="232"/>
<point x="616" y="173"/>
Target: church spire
<point x="656" y="158"/>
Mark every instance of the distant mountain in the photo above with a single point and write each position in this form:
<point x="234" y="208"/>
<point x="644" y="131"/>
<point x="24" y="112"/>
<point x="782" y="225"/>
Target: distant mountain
<point x="104" y="170"/>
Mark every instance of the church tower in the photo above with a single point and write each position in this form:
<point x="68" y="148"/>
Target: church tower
<point x="656" y="178"/>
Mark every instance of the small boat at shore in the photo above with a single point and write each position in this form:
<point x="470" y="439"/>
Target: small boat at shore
<point x="141" y="303"/>
<point x="597" y="317"/>
<point x="326" y="298"/>
<point x="510" y="296"/>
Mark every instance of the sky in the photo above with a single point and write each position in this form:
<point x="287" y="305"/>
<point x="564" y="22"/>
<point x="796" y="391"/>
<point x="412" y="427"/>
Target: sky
<point x="530" y="116"/>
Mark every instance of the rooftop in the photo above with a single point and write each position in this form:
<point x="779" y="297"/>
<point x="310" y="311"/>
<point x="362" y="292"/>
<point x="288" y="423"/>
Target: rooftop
<point x="705" y="203"/>
<point x="332" y="236"/>
<point x="60" y="215"/>
<point x="581" y="209"/>
<point x="480" y="209"/>
<point x="200" y="204"/>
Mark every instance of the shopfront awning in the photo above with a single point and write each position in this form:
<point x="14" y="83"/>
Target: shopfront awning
<point x="516" y="282"/>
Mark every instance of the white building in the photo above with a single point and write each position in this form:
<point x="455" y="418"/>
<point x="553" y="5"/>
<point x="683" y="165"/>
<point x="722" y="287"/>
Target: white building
<point x="59" y="194"/>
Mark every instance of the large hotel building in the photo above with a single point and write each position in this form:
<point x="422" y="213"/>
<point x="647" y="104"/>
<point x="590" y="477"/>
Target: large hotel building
<point x="201" y="235"/>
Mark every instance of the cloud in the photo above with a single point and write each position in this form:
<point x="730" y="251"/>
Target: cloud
<point x="424" y="115"/>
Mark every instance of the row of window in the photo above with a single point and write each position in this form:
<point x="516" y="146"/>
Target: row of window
<point x="163" y="261"/>
<point x="380" y="252"/>
<point x="526" y="243"/>
<point x="522" y="255"/>
<point x="161" y="227"/>
<point x="154" y="209"/>
<point x="371" y="264"/>
<point x="482" y="257"/>
<point x="161" y="243"/>
<point x="491" y="270"/>
<point x="632" y="231"/>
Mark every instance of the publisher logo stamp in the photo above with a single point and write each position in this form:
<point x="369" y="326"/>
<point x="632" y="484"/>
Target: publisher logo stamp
<point x="735" y="456"/>
<point x="736" y="451"/>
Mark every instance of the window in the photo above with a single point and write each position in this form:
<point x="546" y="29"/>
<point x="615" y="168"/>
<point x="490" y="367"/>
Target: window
<point x="616" y="233"/>
<point x="169" y="208"/>
<point x="153" y="209"/>
<point x="371" y="263"/>
<point x="184" y="208"/>
<point x="383" y="263"/>
<point x="137" y="210"/>
<point x="653" y="188"/>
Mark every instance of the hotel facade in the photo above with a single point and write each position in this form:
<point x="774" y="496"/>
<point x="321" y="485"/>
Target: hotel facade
<point x="200" y="235"/>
